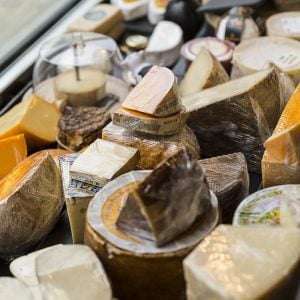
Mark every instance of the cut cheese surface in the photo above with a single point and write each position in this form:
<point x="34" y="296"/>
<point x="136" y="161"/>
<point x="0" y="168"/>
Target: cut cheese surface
<point x="12" y="151"/>
<point x="72" y="272"/>
<point x="156" y="94"/>
<point x="135" y="121"/>
<point x="14" y="289"/>
<point x="228" y="264"/>
<point x="36" y="119"/>
<point x="204" y="72"/>
<point x="103" y="160"/>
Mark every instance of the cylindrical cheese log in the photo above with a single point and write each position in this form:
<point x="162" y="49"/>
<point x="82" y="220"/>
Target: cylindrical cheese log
<point x="137" y="268"/>
<point x="82" y="87"/>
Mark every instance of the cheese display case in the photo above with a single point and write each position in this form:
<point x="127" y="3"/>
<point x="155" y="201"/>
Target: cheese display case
<point x="150" y="150"/>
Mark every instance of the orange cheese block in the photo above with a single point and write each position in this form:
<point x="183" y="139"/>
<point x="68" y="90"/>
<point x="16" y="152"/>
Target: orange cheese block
<point x="280" y="164"/>
<point x="12" y="151"/>
<point x="36" y="118"/>
<point x="156" y="94"/>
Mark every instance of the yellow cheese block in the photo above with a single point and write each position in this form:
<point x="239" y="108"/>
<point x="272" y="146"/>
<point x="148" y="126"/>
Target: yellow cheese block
<point x="280" y="163"/>
<point x="36" y="119"/>
<point x="12" y="151"/>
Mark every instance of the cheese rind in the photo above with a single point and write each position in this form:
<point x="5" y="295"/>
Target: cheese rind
<point x="236" y="116"/>
<point x="156" y="94"/>
<point x="31" y="194"/>
<point x="36" y="119"/>
<point x="12" y="151"/>
<point x="72" y="270"/>
<point x="12" y="289"/>
<point x="104" y="160"/>
<point x="143" y="123"/>
<point x="153" y="149"/>
<point x="228" y="264"/>
<point x="204" y="72"/>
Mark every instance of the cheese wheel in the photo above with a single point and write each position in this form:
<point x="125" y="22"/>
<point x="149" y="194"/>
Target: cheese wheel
<point x="138" y="269"/>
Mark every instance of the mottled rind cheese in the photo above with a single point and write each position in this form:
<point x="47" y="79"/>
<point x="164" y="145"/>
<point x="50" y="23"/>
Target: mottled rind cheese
<point x="228" y="178"/>
<point x="153" y="149"/>
<point x="12" y="151"/>
<point x="36" y="119"/>
<point x="156" y="94"/>
<point x="31" y="199"/>
<point x="172" y="197"/>
<point x="143" y="123"/>
<point x="204" y="72"/>
<point x="280" y="164"/>
<point x="244" y="262"/>
<point x="236" y="116"/>
<point x="104" y="160"/>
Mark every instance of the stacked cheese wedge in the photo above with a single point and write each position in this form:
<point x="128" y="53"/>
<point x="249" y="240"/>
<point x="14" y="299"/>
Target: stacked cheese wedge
<point x="153" y="119"/>
<point x="280" y="164"/>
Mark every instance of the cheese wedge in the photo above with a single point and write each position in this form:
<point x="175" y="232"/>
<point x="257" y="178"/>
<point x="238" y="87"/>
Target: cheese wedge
<point x="228" y="264"/>
<point x="143" y="123"/>
<point x="280" y="160"/>
<point x="236" y="116"/>
<point x="156" y="94"/>
<point x="36" y="119"/>
<point x="132" y="9"/>
<point x="31" y="194"/>
<point x="153" y="149"/>
<point x="72" y="272"/>
<point x="13" y="289"/>
<point x="12" y="151"/>
<point x="104" y="160"/>
<point x="204" y="72"/>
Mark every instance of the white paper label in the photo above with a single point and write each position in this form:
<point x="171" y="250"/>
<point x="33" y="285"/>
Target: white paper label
<point x="291" y="24"/>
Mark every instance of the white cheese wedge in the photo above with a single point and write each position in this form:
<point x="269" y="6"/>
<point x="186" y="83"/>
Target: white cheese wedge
<point x="14" y="289"/>
<point x="204" y="72"/>
<point x="240" y="263"/>
<point x="104" y="160"/>
<point x="132" y="9"/>
<point x="256" y="54"/>
<point x="72" y="272"/>
<point x="156" y="10"/>
<point x="164" y="44"/>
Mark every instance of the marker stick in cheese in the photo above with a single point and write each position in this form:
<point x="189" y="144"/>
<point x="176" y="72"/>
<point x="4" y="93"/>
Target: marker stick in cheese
<point x="31" y="199"/>
<point x="102" y="18"/>
<point x="280" y="164"/>
<point x="236" y="116"/>
<point x="156" y="94"/>
<point x="143" y="123"/>
<point x="72" y="271"/>
<point x="245" y="263"/>
<point x="36" y="119"/>
<point x="204" y="72"/>
<point x="153" y="149"/>
<point x="83" y="92"/>
<point x="104" y="160"/>
<point x="12" y="151"/>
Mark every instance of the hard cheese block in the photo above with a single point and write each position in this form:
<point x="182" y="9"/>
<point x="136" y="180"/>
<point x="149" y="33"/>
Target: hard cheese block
<point x="12" y="289"/>
<point x="237" y="116"/>
<point x="143" y="123"/>
<point x="12" y="151"/>
<point x="228" y="264"/>
<point x="204" y="72"/>
<point x="228" y="178"/>
<point x="72" y="272"/>
<point x="280" y="164"/>
<point x="170" y="198"/>
<point x="79" y="127"/>
<point x="152" y="149"/>
<point x="137" y="268"/>
<point x="104" y="160"/>
<point x="36" y="119"/>
<point x="156" y="94"/>
<point x="31" y="200"/>
<point x="101" y="18"/>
